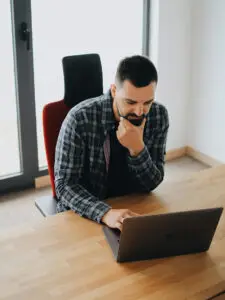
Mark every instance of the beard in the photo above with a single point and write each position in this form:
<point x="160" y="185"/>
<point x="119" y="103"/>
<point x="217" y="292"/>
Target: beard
<point x="133" y="118"/>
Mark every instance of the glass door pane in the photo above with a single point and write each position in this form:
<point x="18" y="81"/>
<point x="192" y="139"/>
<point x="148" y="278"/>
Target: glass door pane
<point x="113" y="29"/>
<point x="9" y="141"/>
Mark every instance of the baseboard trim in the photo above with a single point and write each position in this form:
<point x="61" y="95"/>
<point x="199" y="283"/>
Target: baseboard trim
<point x="176" y="153"/>
<point x="203" y="158"/>
<point x="44" y="181"/>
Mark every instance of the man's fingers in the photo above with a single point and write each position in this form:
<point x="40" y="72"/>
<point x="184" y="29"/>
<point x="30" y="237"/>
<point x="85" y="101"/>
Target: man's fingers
<point x="126" y="124"/>
<point x="119" y="225"/>
<point x="127" y="215"/>
<point x="133" y="214"/>
<point x="143" y="124"/>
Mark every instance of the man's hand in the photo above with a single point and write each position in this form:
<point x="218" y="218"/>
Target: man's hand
<point x="114" y="217"/>
<point x="131" y="136"/>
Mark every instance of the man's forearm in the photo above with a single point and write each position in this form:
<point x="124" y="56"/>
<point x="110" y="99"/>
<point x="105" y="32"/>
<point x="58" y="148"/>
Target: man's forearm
<point x="78" y="199"/>
<point x="145" y="170"/>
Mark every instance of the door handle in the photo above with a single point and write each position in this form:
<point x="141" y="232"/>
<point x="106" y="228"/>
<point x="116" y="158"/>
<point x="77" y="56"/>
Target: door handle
<point x="25" y="34"/>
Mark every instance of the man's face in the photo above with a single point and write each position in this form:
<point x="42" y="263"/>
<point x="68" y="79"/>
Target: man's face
<point x="131" y="102"/>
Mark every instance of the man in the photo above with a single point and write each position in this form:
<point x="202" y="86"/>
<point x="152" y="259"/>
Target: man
<point x="112" y="145"/>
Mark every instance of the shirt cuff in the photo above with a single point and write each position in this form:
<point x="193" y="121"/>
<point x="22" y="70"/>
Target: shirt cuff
<point x="99" y="210"/>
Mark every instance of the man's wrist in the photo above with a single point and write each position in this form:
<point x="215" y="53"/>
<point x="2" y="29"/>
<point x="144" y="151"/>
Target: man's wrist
<point x="137" y="151"/>
<point x="105" y="216"/>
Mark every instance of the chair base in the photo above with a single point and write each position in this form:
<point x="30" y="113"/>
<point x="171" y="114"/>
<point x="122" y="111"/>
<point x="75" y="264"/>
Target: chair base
<point x="46" y="205"/>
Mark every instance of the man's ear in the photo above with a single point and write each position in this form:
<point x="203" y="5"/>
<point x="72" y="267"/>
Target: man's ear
<point x="113" y="90"/>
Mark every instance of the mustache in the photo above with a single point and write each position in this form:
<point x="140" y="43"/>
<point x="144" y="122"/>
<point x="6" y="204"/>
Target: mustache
<point x="136" y="121"/>
<point x="132" y="115"/>
<point x="133" y="118"/>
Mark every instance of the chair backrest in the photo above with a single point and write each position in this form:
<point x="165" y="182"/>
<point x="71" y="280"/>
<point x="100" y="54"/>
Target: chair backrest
<point x="82" y="80"/>
<point x="53" y="115"/>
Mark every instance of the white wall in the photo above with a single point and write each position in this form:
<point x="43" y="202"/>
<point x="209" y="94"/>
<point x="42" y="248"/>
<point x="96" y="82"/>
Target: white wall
<point x="207" y="102"/>
<point x="170" y="51"/>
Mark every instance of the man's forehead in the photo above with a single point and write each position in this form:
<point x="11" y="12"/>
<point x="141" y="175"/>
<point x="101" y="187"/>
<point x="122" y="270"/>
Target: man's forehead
<point x="129" y="91"/>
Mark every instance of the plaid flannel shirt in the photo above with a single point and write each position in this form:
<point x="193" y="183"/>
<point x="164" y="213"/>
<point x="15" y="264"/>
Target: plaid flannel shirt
<point x="83" y="152"/>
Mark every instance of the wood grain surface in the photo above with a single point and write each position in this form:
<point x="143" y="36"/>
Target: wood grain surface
<point x="67" y="257"/>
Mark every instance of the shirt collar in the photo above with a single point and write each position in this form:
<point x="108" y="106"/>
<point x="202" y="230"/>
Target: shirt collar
<point x="108" y="118"/>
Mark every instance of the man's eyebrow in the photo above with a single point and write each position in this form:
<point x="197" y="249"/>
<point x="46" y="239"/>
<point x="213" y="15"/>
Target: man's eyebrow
<point x="133" y="101"/>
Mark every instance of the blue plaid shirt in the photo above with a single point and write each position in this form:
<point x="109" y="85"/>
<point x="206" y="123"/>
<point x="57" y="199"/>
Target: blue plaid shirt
<point x="83" y="151"/>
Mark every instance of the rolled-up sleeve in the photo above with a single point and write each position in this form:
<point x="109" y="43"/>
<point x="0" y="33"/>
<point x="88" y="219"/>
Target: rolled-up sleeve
<point x="68" y="169"/>
<point x="148" y="166"/>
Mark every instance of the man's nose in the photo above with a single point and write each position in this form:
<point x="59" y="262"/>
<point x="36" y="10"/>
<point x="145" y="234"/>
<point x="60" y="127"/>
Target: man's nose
<point x="139" y="110"/>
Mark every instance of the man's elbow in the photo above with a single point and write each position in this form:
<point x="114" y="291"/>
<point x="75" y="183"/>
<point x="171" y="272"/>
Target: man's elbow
<point x="59" y="189"/>
<point x="155" y="183"/>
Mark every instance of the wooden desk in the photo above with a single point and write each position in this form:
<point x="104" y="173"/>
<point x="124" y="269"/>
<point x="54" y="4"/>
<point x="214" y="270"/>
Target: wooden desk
<point x="66" y="257"/>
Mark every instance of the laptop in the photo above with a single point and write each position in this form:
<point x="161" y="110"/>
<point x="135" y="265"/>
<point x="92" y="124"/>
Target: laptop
<point x="156" y="236"/>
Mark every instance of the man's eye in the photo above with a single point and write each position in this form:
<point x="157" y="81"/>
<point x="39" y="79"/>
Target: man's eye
<point x="148" y="103"/>
<point x="131" y="103"/>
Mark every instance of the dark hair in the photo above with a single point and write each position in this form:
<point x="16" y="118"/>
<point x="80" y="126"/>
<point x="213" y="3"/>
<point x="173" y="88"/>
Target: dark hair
<point x="139" y="70"/>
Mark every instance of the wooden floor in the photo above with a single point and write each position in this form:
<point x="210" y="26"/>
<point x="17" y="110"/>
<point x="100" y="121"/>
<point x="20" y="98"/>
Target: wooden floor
<point x="18" y="208"/>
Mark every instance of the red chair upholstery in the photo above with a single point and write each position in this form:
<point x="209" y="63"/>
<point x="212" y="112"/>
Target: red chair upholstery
<point x="53" y="115"/>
